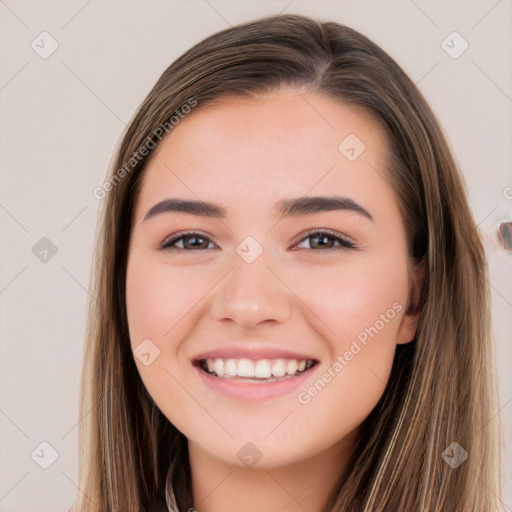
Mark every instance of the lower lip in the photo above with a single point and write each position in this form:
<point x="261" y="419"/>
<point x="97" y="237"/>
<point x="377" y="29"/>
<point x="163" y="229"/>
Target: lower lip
<point x="247" y="390"/>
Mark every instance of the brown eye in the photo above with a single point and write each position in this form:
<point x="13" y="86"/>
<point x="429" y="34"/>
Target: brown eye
<point x="189" y="242"/>
<point x="320" y="240"/>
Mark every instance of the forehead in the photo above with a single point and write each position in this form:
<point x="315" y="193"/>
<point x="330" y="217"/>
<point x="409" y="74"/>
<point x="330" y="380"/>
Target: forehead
<point x="247" y="151"/>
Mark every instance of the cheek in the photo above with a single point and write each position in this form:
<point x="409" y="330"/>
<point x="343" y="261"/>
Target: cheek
<point x="348" y="299"/>
<point x="159" y="303"/>
<point x="362" y="308"/>
<point x="158" y="298"/>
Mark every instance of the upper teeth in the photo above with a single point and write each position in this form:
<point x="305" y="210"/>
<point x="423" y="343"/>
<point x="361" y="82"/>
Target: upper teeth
<point x="261" y="368"/>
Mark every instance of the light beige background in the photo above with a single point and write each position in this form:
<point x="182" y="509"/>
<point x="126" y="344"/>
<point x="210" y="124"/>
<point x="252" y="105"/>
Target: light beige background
<point x="62" y="116"/>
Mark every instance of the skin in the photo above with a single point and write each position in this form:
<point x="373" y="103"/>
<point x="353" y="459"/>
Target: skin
<point x="246" y="154"/>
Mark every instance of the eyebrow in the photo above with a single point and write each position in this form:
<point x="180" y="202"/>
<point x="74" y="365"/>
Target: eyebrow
<point x="285" y="207"/>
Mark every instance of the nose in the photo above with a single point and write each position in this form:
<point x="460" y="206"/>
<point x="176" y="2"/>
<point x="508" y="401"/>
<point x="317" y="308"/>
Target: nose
<point x="250" y="294"/>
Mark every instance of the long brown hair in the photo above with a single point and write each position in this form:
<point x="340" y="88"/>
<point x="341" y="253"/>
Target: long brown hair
<point x="442" y="386"/>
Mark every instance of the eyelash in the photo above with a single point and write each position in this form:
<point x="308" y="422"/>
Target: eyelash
<point x="167" y="245"/>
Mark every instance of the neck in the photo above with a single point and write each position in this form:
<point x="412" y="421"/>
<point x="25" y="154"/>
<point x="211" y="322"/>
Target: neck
<point x="305" y="485"/>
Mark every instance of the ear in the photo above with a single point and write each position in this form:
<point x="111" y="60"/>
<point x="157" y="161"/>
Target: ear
<point x="409" y="323"/>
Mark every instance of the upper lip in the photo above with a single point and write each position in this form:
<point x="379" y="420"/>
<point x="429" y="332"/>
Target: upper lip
<point x="229" y="351"/>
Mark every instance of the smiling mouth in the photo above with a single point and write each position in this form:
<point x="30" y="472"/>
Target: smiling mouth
<point x="261" y="370"/>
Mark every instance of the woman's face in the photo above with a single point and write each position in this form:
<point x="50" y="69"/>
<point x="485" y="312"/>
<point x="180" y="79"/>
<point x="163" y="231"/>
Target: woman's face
<point x="253" y="292"/>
